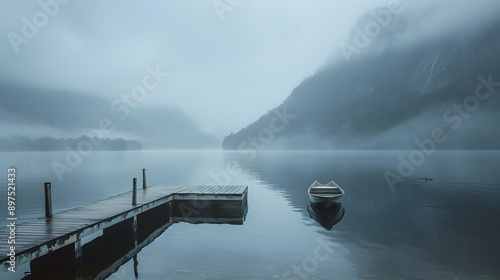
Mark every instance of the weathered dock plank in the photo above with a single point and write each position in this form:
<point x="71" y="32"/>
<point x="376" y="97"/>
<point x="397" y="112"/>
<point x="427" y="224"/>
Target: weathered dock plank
<point x="39" y="237"/>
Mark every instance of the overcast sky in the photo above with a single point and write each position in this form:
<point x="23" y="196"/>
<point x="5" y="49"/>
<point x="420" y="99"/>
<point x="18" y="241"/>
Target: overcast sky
<point x="224" y="73"/>
<point x="225" y="70"/>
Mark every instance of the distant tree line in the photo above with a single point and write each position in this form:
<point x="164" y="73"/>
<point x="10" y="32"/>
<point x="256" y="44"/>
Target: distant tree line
<point x="24" y="143"/>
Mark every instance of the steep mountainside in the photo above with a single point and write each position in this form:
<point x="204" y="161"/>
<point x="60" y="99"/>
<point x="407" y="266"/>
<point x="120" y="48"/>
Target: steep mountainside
<point x="392" y="93"/>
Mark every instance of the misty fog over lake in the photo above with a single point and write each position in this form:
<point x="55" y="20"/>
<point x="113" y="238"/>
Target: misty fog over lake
<point x="394" y="101"/>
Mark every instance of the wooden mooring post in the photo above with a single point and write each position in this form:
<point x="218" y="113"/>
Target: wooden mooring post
<point x="48" y="200"/>
<point x="134" y="191"/>
<point x="143" y="178"/>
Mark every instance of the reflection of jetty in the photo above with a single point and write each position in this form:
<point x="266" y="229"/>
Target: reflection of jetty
<point x="63" y="235"/>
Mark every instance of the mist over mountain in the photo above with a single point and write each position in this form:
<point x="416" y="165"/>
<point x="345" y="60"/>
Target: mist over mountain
<point x="422" y="75"/>
<point x="24" y="143"/>
<point x="45" y="114"/>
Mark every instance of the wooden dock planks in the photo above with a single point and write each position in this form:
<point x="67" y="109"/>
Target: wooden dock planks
<point x="38" y="237"/>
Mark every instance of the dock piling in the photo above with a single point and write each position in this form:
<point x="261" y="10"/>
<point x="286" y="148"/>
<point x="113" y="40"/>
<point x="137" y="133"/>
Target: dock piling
<point x="48" y="200"/>
<point x="134" y="192"/>
<point x="143" y="178"/>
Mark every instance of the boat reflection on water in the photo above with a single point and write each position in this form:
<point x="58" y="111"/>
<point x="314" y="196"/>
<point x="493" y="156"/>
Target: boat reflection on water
<point x="326" y="215"/>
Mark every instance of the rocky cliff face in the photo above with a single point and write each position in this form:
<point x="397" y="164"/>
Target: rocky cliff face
<point x="392" y="92"/>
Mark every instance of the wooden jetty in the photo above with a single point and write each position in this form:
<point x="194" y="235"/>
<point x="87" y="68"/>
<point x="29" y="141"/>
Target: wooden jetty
<point x="39" y="237"/>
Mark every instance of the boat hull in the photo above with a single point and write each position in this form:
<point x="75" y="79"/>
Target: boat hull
<point x="324" y="200"/>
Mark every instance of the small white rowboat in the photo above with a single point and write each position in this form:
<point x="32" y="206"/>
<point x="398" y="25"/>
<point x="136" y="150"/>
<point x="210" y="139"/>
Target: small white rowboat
<point x="324" y="194"/>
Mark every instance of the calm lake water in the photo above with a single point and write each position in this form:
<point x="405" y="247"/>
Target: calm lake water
<point x="447" y="228"/>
